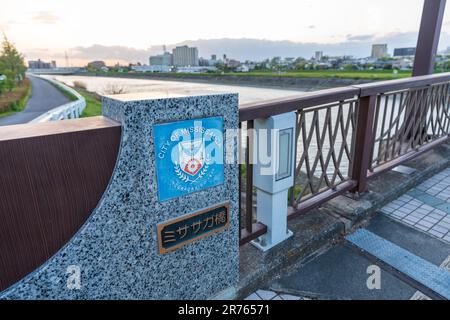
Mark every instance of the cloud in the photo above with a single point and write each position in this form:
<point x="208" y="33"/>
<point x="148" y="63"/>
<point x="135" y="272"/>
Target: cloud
<point x="38" y="51"/>
<point x="80" y="56"/>
<point x="241" y="49"/>
<point x="101" y="52"/>
<point x="3" y="28"/>
<point x="363" y="37"/>
<point x="354" y="44"/>
<point x="45" y="17"/>
<point x="8" y="24"/>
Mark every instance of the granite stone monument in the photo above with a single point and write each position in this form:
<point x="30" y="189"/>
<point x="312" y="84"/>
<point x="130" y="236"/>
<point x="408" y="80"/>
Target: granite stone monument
<point x="167" y="224"/>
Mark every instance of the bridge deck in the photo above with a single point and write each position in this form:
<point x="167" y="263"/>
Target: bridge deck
<point x="410" y="237"/>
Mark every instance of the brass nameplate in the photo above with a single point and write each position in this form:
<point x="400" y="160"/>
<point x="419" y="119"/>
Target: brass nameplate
<point x="178" y="232"/>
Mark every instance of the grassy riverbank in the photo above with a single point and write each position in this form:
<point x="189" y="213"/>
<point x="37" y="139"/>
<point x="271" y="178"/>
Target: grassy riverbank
<point x="93" y="100"/>
<point x="16" y="99"/>
<point x="69" y="95"/>
<point x="306" y="74"/>
<point x="336" y="74"/>
<point x="93" y="103"/>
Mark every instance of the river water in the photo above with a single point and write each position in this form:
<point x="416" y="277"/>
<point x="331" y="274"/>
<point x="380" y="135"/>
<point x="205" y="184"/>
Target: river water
<point x="109" y="85"/>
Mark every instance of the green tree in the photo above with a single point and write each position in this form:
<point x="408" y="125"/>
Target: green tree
<point x="275" y="63"/>
<point x="446" y="65"/>
<point x="349" y="67"/>
<point x="12" y="64"/>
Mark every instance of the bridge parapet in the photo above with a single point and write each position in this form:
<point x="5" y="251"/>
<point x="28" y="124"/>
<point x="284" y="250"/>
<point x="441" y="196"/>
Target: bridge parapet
<point x="161" y="229"/>
<point x="52" y="176"/>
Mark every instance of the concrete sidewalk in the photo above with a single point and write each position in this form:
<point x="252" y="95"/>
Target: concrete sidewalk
<point x="326" y="226"/>
<point x="413" y="233"/>
<point x="44" y="97"/>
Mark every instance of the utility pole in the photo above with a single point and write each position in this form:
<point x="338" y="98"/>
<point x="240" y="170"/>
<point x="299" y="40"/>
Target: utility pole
<point x="67" y="59"/>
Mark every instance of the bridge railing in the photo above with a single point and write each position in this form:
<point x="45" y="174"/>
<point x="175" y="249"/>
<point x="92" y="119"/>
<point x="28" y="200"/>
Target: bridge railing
<point x="345" y="136"/>
<point x="70" y="110"/>
<point x="408" y="119"/>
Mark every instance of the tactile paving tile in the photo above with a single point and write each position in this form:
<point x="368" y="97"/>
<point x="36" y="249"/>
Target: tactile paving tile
<point x="404" y="261"/>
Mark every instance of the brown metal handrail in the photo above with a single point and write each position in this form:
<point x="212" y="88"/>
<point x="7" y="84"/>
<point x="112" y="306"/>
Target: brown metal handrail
<point x="354" y="114"/>
<point x="378" y="87"/>
<point x="267" y="108"/>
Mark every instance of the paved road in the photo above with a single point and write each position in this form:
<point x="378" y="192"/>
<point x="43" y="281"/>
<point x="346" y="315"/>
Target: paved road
<point x="409" y="242"/>
<point x="44" y="97"/>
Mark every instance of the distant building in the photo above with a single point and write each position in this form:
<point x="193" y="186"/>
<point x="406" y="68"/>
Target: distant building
<point x="243" y="68"/>
<point x="318" y="55"/>
<point x="203" y="62"/>
<point x="403" y="64"/>
<point x="154" y="68"/>
<point x="97" y="65"/>
<point x="404" y="52"/>
<point x="195" y="69"/>
<point x="165" y="59"/>
<point x="379" y="51"/>
<point x="185" y="56"/>
<point x="231" y="63"/>
<point x="39" y="64"/>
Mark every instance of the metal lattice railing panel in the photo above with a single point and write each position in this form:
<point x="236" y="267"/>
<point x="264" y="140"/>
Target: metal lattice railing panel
<point x="346" y="136"/>
<point x="408" y="119"/>
<point x="325" y="137"/>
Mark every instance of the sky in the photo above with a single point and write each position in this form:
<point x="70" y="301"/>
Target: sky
<point x="48" y="28"/>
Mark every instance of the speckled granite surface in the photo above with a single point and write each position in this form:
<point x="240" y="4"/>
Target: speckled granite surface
<point x="117" y="249"/>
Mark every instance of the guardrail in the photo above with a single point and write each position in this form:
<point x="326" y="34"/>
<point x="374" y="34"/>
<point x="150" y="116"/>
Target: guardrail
<point x="70" y="110"/>
<point x="345" y="136"/>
